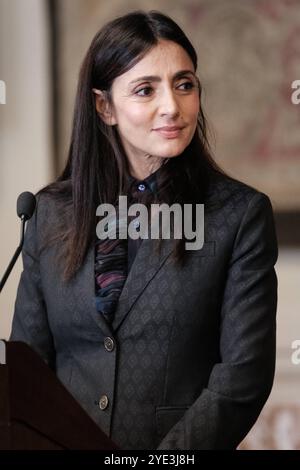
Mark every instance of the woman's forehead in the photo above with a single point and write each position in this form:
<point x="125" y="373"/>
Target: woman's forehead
<point x="167" y="57"/>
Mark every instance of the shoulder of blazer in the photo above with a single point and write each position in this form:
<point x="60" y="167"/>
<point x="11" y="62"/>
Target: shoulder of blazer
<point x="48" y="213"/>
<point x="226" y="191"/>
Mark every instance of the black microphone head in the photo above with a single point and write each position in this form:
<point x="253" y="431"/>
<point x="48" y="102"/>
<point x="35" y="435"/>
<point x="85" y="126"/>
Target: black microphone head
<point x="25" y="205"/>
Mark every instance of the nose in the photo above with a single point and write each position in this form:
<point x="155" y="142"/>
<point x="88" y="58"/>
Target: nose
<point x="168" y="105"/>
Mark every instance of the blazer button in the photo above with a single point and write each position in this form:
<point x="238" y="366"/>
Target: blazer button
<point x="103" y="402"/>
<point x="109" y="344"/>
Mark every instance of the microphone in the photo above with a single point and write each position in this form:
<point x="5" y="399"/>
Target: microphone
<point x="25" y="208"/>
<point x="26" y="205"/>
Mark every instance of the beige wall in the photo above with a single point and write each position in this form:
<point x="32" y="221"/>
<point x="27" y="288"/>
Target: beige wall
<point x="25" y="126"/>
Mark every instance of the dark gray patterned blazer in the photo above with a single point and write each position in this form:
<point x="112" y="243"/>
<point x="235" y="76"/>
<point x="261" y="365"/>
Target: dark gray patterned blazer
<point x="189" y="360"/>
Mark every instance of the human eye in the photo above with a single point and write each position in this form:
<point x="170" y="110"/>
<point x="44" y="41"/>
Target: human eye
<point x="187" y="86"/>
<point x="144" y="89"/>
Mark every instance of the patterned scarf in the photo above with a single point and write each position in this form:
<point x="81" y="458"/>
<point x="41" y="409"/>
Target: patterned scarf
<point x="111" y="255"/>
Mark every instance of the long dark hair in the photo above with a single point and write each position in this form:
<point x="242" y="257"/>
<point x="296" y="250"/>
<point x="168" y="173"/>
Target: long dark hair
<point x="97" y="169"/>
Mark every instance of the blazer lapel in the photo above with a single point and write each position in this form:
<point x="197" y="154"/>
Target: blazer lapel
<point x="145" y="266"/>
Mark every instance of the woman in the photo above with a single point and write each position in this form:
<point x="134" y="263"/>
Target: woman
<point x="164" y="347"/>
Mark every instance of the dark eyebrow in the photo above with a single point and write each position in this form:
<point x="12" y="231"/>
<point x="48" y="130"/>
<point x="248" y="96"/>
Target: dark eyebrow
<point x="155" y="78"/>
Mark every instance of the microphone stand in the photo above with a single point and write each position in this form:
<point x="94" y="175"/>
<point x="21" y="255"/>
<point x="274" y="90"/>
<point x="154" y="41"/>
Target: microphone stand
<point x="17" y="252"/>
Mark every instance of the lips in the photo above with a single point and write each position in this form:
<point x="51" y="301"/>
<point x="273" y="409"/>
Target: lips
<point x="169" y="128"/>
<point x="169" y="132"/>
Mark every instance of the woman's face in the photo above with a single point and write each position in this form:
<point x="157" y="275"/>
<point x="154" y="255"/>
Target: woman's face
<point x="160" y="91"/>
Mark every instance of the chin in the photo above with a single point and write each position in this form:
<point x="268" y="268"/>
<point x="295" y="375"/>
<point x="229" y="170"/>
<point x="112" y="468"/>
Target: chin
<point x="172" y="151"/>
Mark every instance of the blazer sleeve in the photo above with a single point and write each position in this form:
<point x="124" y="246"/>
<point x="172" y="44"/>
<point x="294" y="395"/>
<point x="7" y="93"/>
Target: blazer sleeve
<point x="30" y="322"/>
<point x="240" y="384"/>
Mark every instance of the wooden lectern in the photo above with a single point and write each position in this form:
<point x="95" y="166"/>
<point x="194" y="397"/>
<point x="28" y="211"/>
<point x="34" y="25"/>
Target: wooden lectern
<point x="36" y="411"/>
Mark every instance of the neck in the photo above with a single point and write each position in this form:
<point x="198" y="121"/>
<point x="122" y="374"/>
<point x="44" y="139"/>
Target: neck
<point x="141" y="168"/>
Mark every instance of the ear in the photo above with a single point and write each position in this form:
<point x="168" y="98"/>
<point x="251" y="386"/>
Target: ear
<point x="103" y="108"/>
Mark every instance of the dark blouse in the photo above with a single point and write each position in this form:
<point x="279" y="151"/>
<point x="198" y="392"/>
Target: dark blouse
<point x="114" y="257"/>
